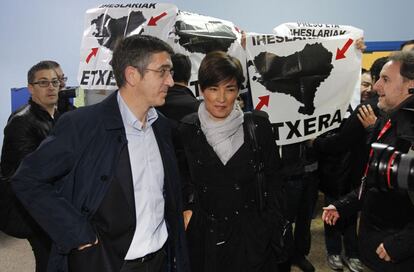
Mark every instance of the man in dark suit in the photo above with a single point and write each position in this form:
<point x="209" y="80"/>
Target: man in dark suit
<point x="180" y="100"/>
<point x="105" y="184"/>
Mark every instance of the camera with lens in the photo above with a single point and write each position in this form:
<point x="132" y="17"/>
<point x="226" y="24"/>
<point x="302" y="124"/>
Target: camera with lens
<point x="64" y="100"/>
<point x="389" y="169"/>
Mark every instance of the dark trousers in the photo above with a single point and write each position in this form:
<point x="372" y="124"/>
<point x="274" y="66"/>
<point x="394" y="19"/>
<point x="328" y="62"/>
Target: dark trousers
<point x="302" y="193"/>
<point x="156" y="264"/>
<point x="346" y="229"/>
<point x="41" y="245"/>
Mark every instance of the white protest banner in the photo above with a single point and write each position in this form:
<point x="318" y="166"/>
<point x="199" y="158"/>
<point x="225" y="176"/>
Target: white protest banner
<point x="109" y="22"/>
<point x="301" y="29"/>
<point x="195" y="35"/>
<point x="304" y="78"/>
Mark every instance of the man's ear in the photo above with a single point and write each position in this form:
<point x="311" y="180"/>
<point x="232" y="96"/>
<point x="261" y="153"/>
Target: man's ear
<point x="30" y="88"/>
<point x="132" y="75"/>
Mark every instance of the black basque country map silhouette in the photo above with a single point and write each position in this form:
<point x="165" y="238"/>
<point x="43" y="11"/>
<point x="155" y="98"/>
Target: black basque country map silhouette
<point x="298" y="74"/>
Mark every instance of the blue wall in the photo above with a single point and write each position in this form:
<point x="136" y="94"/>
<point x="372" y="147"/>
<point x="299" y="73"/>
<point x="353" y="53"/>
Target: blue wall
<point x="52" y="29"/>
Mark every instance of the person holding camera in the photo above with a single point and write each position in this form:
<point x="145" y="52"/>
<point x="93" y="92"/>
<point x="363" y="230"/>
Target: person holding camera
<point x="60" y="74"/>
<point x="386" y="230"/>
<point x="64" y="104"/>
<point x="25" y="130"/>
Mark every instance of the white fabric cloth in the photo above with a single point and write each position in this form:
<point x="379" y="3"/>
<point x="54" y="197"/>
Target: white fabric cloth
<point x="224" y="136"/>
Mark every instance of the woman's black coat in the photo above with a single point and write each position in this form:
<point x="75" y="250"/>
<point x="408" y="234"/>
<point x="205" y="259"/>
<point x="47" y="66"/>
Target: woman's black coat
<point x="226" y="231"/>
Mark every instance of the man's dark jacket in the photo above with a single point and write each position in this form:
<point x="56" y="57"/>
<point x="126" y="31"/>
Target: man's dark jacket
<point x="343" y="155"/>
<point x="78" y="186"/>
<point x="386" y="216"/>
<point x="26" y="128"/>
<point x="179" y="102"/>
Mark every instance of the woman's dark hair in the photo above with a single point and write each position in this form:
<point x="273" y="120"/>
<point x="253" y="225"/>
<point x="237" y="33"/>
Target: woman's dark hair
<point x="218" y="66"/>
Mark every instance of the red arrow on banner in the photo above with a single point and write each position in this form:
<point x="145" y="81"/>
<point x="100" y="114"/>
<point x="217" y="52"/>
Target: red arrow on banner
<point x="340" y="53"/>
<point x="93" y="52"/>
<point x="153" y="20"/>
<point x="264" y="101"/>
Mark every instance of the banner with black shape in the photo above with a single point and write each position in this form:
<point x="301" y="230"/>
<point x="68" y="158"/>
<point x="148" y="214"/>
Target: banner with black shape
<point x="195" y="35"/>
<point x="304" y="82"/>
<point x="109" y="22"/>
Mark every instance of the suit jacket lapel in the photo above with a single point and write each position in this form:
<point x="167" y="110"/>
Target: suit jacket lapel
<point x="114" y="124"/>
<point x="124" y="176"/>
<point x="167" y="155"/>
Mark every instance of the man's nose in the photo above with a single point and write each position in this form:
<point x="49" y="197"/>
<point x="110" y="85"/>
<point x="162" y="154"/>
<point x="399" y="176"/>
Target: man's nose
<point x="170" y="80"/>
<point x="53" y="88"/>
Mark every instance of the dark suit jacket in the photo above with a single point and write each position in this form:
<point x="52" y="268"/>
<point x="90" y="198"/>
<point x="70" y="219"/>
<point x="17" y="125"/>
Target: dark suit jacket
<point x="65" y="184"/>
<point x="338" y="180"/>
<point x="179" y="102"/>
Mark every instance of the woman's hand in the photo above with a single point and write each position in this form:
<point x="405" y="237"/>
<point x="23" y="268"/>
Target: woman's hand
<point x="187" y="217"/>
<point x="330" y="215"/>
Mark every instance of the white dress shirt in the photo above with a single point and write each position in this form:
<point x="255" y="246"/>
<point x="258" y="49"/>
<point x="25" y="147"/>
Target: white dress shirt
<point x="148" y="180"/>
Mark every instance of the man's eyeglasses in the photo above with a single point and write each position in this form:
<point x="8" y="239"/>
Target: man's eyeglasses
<point x="63" y="79"/>
<point x="46" y="83"/>
<point x="163" y="71"/>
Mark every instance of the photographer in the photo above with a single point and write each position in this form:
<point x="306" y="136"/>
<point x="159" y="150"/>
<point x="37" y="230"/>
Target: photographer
<point x="65" y="94"/>
<point x="386" y="230"/>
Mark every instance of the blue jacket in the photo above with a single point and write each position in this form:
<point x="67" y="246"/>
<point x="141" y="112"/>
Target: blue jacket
<point x="63" y="183"/>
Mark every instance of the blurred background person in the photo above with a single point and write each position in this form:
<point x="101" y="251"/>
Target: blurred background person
<point x="61" y="75"/>
<point x="366" y="86"/>
<point x="342" y="158"/>
<point x="25" y="130"/>
<point x="375" y="69"/>
<point x="301" y="187"/>
<point x="180" y="100"/>
<point x="407" y="46"/>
